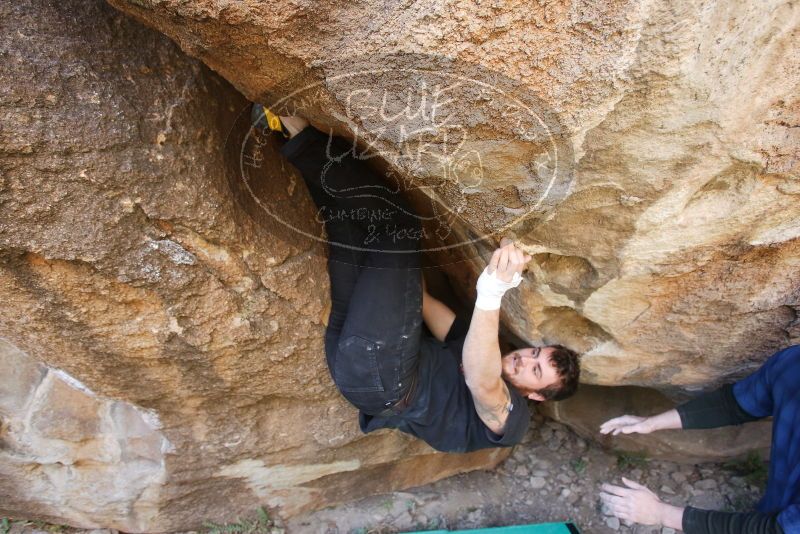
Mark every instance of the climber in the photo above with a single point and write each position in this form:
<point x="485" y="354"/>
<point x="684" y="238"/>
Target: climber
<point x="377" y="354"/>
<point x="771" y="391"/>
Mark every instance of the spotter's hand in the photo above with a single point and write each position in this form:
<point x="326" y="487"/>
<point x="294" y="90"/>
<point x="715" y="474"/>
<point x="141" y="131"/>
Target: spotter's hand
<point x="626" y="424"/>
<point x="633" y="503"/>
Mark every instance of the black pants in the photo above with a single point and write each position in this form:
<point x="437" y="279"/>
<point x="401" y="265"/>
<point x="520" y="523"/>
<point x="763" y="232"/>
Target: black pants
<point x="373" y="335"/>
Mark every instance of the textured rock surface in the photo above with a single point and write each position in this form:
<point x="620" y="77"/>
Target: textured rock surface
<point x="668" y="248"/>
<point x="673" y="257"/>
<point x="161" y="344"/>
<point x="67" y="453"/>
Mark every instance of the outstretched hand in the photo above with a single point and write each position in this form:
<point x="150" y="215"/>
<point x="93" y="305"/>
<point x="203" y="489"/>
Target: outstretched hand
<point x="638" y="504"/>
<point x="627" y="424"/>
<point x="508" y="260"/>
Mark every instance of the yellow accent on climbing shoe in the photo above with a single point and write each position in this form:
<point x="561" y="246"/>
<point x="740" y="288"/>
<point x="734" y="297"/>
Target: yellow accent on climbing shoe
<point x="273" y="121"/>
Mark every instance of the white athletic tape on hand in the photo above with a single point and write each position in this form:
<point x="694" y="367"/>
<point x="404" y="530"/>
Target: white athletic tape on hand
<point x="491" y="289"/>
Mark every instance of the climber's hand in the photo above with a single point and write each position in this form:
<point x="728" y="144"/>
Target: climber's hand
<point x="627" y="424"/>
<point x="507" y="261"/>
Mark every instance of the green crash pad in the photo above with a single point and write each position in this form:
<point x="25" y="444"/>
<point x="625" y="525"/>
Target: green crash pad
<point x="542" y="528"/>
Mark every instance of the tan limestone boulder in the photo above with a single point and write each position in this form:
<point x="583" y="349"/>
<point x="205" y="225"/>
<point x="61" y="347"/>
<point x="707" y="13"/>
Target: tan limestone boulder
<point x="161" y="340"/>
<point x="645" y="154"/>
<point x="165" y="288"/>
<point x="667" y="241"/>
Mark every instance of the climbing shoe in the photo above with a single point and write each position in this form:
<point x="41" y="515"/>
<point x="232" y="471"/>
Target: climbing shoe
<point x="266" y="121"/>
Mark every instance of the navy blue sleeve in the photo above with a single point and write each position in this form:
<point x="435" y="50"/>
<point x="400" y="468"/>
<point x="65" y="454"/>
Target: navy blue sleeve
<point x="754" y="393"/>
<point x="697" y="521"/>
<point x="713" y="409"/>
<point x="789" y="519"/>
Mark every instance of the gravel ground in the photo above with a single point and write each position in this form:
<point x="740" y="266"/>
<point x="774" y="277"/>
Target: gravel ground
<point x="553" y="476"/>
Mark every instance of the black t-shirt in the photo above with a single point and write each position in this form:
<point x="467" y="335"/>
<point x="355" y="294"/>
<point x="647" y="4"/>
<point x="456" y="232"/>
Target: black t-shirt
<point x="443" y="413"/>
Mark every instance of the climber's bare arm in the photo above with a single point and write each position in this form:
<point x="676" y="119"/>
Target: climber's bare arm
<point x="437" y="316"/>
<point x="483" y="368"/>
<point x="482" y="356"/>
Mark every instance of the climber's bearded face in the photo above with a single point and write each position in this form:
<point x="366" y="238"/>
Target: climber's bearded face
<point x="530" y="370"/>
